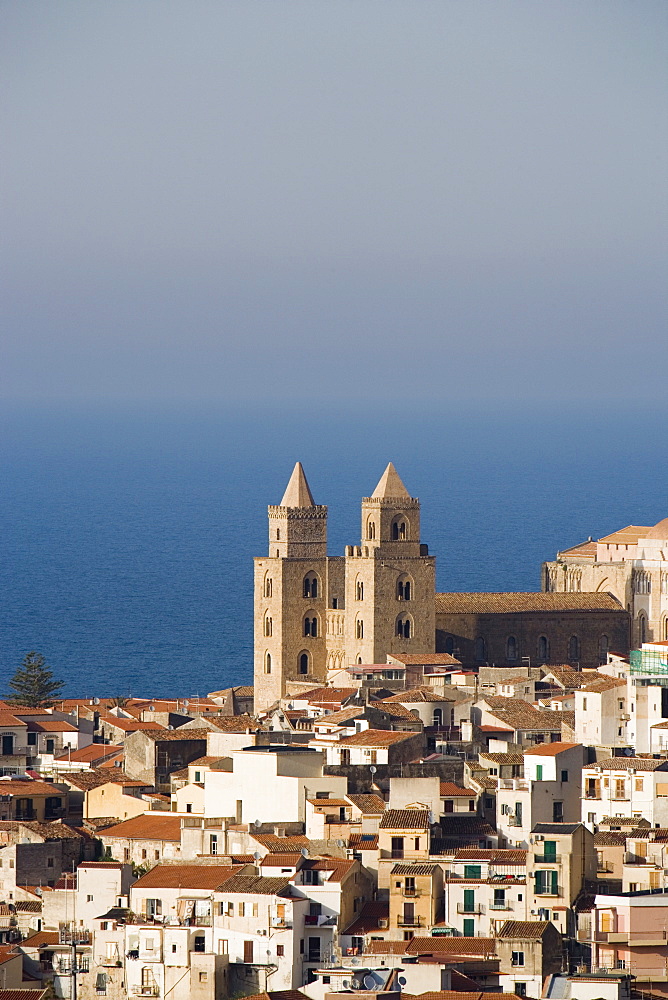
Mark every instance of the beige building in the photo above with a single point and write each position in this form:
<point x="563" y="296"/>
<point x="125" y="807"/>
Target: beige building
<point x="631" y="564"/>
<point x="315" y="613"/>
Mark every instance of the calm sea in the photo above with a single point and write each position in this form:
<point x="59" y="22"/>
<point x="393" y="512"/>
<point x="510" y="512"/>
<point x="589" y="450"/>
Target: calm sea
<point x="128" y="535"/>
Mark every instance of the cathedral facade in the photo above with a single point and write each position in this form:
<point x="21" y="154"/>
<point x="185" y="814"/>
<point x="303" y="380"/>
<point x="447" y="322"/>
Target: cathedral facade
<point x="631" y="564"/>
<point x="316" y="614"/>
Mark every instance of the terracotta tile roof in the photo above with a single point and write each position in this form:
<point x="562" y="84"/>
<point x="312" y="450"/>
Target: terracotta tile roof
<point x="520" y="715"/>
<point x="418" y="694"/>
<point x="503" y="758"/>
<point x="329" y="802"/>
<point x="426" y="659"/>
<point x="497" y="856"/>
<point x="367" y="920"/>
<point x="533" y="929"/>
<point x="281" y="845"/>
<point x="585" y="550"/>
<point x="325" y="695"/>
<point x="167" y="735"/>
<point x="610" y="838"/>
<point x="130" y="725"/>
<point x="236" y="724"/>
<point x="334" y="718"/>
<point x="276" y="995"/>
<point x="186" y="876"/>
<point x="549" y="749"/>
<point x="281" y="860"/>
<point x="28" y="788"/>
<point x="629" y="763"/>
<point x="395" y="711"/>
<point x="338" y="867"/>
<point x="405" y="819"/>
<point x="41" y="939"/>
<point x="565" y="675"/>
<point x="603" y="684"/>
<point x="87" y="780"/>
<point x="517" y="603"/>
<point x="440" y="944"/>
<point x="9" y="721"/>
<point x="368" y="804"/>
<point x="94" y="751"/>
<point x="415" y="869"/>
<point x="51" y="726"/>
<point x="256" y="884"/>
<point x="375" y="738"/>
<point x="628" y="535"/>
<point x="363" y="841"/>
<point x="147" y="826"/>
<point x="203" y="762"/>
<point x="449" y="790"/>
<point x="28" y="906"/>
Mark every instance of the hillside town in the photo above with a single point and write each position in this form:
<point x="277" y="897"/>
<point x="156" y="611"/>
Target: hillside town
<point x="444" y="796"/>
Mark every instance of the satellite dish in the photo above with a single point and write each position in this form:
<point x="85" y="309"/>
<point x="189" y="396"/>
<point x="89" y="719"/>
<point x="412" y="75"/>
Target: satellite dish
<point x="257" y="855"/>
<point x="372" y="769"/>
<point x="268" y="951"/>
<point x="151" y="708"/>
<point x="628" y="752"/>
<point x="402" y="980"/>
<point x="185" y="702"/>
<point x="430" y="817"/>
<point x="304" y="852"/>
<point x="340" y="843"/>
<point x="96" y="701"/>
<point x="346" y="984"/>
<point x="257" y="824"/>
<point x="369" y="982"/>
<point x="355" y="961"/>
<point x="170" y="727"/>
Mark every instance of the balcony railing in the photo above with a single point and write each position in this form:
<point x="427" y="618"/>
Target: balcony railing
<point x="506" y="905"/>
<point x="515" y="821"/>
<point x="26" y="814"/>
<point x="145" y="991"/>
<point x="592" y="794"/>
<point x="547" y="859"/>
<point x="397" y="854"/>
<point x="404" y="921"/>
<point x="407" y="891"/>
<point x="472" y="909"/>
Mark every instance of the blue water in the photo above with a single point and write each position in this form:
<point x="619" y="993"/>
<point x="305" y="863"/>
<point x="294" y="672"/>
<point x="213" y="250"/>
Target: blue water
<point x="128" y="534"/>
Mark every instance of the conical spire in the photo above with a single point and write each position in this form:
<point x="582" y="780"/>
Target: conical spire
<point x="297" y="493"/>
<point x="390" y="485"/>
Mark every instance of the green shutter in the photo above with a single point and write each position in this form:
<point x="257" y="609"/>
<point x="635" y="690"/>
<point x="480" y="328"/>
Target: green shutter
<point x="472" y="871"/>
<point x="550" y="848"/>
<point x="469" y="900"/>
<point x="553" y="877"/>
<point x="538" y="888"/>
<point x="469" y="928"/>
<point x="539" y="772"/>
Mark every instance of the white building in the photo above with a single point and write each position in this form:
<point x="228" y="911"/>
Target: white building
<point x="625" y="786"/>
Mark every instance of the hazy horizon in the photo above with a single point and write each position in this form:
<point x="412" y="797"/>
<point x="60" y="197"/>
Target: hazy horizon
<point x="334" y="204"/>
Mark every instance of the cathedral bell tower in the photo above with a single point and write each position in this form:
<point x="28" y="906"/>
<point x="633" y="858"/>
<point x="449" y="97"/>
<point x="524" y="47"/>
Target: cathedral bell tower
<point x="290" y="588"/>
<point x="390" y="578"/>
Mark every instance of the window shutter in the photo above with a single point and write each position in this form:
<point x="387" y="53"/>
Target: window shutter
<point x="553" y="876"/>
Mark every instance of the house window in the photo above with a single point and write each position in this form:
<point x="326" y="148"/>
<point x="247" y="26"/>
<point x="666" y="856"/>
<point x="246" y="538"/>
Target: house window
<point x="311" y="627"/>
<point x="573" y="648"/>
<point x="511" y="648"/>
<point x="404" y="628"/>
<point x="280" y="951"/>
<point x="310" y="585"/>
<point x="268" y="625"/>
<point x="539" y="772"/>
<point x="359" y="591"/>
<point x="543" y="649"/>
<point x="480" y="650"/>
<point x="564" y="775"/>
<point x="303" y="663"/>
<point x="404" y="589"/>
<point x="267" y="663"/>
<point x="267" y="586"/>
<point x="520" y="989"/>
<point x="359" y="629"/>
<point x="517" y="958"/>
<point x="371" y="530"/>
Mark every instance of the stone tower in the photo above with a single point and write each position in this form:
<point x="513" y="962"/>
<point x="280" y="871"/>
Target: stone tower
<point x="290" y="595"/>
<point x="389" y="578"/>
<point x="316" y="614"/>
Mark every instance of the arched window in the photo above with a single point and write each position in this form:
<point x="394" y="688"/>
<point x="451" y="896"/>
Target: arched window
<point x="268" y="625"/>
<point x="303" y="663"/>
<point x="404" y="627"/>
<point x="371" y="530"/>
<point x="404" y="588"/>
<point x="573" y="648"/>
<point x="603" y="646"/>
<point x="359" y="629"/>
<point x="310" y="585"/>
<point x="642" y="629"/>
<point x="511" y="648"/>
<point x="311" y="626"/>
<point x="543" y="649"/>
<point x="267" y="663"/>
<point x="437" y="718"/>
<point x="449" y="644"/>
<point x="267" y="586"/>
<point x="665" y="628"/>
<point x="480" y="650"/>
<point x="399" y="528"/>
<point x="359" y="591"/>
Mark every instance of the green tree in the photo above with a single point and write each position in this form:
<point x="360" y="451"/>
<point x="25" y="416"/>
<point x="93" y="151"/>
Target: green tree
<point x="33" y="684"/>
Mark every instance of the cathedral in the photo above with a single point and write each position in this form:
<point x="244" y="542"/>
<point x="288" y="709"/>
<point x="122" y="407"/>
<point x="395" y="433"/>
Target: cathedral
<point x="315" y="613"/>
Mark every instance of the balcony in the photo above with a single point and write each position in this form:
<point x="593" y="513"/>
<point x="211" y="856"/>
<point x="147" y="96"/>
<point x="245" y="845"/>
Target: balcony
<point x="647" y="938"/>
<point x="145" y="991"/>
<point x="506" y="905"/>
<point x="404" y="921"/>
<point x="397" y="855"/>
<point x="25" y="814"/>
<point x="407" y="891"/>
<point x="477" y="908"/>
<point x="547" y="859"/>
<point x="515" y="821"/>
<point x="593" y="794"/>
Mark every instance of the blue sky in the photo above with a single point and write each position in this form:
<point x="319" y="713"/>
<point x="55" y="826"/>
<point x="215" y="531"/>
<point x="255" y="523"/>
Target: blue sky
<point x="316" y="201"/>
